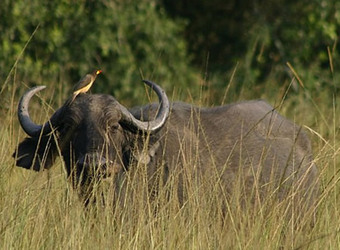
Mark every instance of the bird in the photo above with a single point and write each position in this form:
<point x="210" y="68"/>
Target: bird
<point x="85" y="83"/>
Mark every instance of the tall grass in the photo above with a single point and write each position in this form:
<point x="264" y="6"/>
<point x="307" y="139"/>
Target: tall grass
<point x="41" y="211"/>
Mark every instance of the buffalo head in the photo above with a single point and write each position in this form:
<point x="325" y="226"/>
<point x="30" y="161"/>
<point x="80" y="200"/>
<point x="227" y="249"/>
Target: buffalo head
<point x="92" y="134"/>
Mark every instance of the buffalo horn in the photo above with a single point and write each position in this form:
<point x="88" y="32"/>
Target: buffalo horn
<point x="161" y="117"/>
<point x="26" y="123"/>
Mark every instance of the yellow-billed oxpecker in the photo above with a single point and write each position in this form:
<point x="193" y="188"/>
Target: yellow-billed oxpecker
<point x="85" y="83"/>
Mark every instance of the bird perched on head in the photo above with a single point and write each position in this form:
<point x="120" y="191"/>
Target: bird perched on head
<point x="85" y="83"/>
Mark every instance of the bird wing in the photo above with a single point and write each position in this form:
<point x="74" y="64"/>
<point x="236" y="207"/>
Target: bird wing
<point x="83" y="82"/>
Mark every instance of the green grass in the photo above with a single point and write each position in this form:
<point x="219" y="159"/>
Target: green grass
<point x="41" y="211"/>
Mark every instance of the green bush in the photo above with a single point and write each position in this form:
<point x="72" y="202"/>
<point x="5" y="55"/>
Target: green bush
<point x="261" y="37"/>
<point x="128" y="40"/>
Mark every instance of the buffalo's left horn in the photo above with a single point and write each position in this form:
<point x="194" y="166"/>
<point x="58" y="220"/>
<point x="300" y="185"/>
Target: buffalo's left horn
<point x="26" y="123"/>
<point x="161" y="116"/>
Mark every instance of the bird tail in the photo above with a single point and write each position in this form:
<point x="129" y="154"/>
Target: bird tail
<point x="73" y="97"/>
<point x="70" y="100"/>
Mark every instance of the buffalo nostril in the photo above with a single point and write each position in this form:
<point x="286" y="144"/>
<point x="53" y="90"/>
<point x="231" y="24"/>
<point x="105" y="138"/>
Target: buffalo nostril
<point x="99" y="165"/>
<point x="108" y="169"/>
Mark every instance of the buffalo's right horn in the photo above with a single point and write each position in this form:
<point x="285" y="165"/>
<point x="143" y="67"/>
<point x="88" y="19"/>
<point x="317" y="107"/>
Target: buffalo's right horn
<point x="26" y="123"/>
<point x="161" y="117"/>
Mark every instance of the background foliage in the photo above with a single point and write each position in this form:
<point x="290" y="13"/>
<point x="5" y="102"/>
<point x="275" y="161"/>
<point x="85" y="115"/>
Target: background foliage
<point x="128" y="40"/>
<point x="263" y="36"/>
<point x="176" y="43"/>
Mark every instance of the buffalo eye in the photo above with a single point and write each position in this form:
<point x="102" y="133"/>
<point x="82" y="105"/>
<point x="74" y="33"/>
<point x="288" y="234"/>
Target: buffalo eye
<point x="115" y="126"/>
<point x="112" y="127"/>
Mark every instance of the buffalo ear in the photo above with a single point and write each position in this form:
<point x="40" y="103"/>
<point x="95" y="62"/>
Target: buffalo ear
<point x="36" y="153"/>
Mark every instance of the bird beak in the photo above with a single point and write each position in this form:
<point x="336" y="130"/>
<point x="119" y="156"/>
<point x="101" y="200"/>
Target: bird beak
<point x="98" y="72"/>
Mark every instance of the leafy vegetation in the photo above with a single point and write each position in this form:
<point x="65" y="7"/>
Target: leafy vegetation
<point x="128" y="40"/>
<point x="262" y="36"/>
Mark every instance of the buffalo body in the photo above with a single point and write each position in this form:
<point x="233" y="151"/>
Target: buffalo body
<point x="98" y="138"/>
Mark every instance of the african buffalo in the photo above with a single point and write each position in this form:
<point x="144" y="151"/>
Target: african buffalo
<point x="97" y="137"/>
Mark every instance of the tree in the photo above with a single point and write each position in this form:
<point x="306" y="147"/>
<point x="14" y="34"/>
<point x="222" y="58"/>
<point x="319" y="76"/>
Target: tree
<point x="128" y="40"/>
